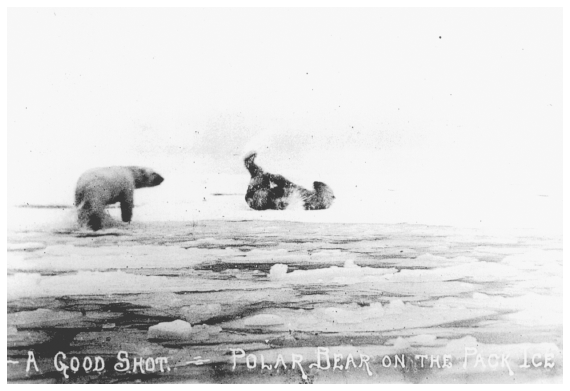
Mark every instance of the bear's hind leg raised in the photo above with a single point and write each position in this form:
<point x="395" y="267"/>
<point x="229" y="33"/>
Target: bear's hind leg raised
<point x="254" y="169"/>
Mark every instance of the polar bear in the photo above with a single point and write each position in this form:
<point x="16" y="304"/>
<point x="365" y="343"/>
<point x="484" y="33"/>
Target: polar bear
<point x="99" y="187"/>
<point x="270" y="191"/>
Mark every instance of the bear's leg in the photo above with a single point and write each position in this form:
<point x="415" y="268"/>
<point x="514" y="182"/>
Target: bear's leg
<point x="90" y="215"/>
<point x="127" y="206"/>
<point x="82" y="213"/>
<point x="95" y="221"/>
<point x="95" y="213"/>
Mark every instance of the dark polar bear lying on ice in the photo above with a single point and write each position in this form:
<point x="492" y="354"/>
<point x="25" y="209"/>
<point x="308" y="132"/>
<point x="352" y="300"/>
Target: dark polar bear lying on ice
<point x="270" y="191"/>
<point x="99" y="187"/>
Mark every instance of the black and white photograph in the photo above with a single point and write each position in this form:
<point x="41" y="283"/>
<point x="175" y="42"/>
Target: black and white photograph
<point x="288" y="195"/>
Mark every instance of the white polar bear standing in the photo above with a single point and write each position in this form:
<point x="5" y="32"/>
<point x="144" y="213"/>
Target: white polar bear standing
<point x="100" y="187"/>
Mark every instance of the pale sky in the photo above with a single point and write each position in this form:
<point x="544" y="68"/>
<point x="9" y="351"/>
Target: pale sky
<point x="421" y="98"/>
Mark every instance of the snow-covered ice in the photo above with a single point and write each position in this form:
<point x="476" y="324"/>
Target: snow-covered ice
<point x="277" y="286"/>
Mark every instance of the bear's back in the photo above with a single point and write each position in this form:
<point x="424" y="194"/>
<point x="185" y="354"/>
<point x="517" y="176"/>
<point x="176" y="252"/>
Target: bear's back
<point x="105" y="182"/>
<point x="106" y="174"/>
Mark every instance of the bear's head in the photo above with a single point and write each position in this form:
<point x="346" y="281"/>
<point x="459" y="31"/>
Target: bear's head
<point x="324" y="196"/>
<point x="146" y="177"/>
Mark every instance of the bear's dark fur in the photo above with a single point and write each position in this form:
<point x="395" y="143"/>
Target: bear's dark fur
<point x="270" y="191"/>
<point x="100" y="187"/>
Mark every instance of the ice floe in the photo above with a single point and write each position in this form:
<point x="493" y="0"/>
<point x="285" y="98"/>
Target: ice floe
<point x="263" y="320"/>
<point x="41" y="317"/>
<point x="177" y="329"/>
<point x="181" y="330"/>
<point x="195" y="313"/>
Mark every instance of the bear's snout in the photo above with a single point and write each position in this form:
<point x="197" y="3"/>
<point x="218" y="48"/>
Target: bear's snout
<point x="157" y="180"/>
